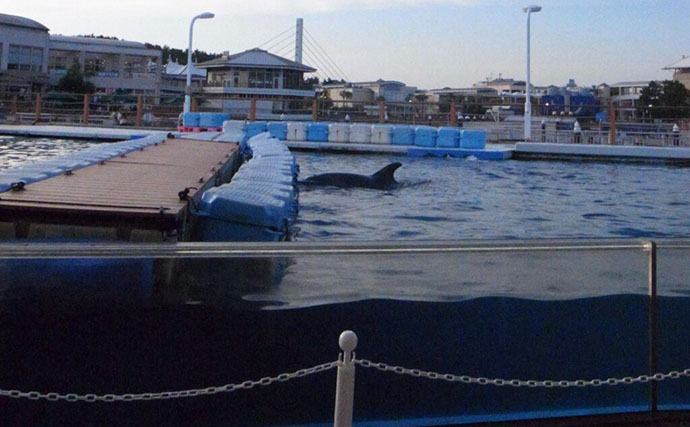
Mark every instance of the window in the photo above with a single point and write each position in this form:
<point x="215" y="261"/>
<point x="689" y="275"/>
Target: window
<point x="25" y="58"/>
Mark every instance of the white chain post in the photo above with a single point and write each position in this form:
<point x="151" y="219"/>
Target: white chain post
<point x="345" y="386"/>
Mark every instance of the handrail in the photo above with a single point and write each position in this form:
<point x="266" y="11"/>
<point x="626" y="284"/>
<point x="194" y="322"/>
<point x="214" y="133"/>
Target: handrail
<point x="258" y="250"/>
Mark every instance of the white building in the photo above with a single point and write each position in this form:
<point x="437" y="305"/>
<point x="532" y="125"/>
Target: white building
<point x="681" y="71"/>
<point x="276" y="82"/>
<point x="625" y="97"/>
<point x="174" y="79"/>
<point x="24" y="48"/>
<point x="109" y="64"/>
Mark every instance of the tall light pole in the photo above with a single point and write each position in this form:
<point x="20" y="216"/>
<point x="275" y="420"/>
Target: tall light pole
<point x="188" y="88"/>
<point x="528" y="102"/>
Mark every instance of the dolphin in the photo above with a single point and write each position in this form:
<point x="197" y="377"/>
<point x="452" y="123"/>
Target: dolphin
<point x="381" y="180"/>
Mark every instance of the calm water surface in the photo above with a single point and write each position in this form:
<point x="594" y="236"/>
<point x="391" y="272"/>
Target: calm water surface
<point x="441" y="199"/>
<point x="17" y="150"/>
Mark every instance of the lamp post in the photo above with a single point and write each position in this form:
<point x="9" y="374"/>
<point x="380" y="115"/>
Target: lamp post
<point x="528" y="102"/>
<point x="188" y="88"/>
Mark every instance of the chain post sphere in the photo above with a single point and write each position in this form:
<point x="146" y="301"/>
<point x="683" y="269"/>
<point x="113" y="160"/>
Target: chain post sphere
<point x="528" y="102"/>
<point x="188" y="88"/>
<point x="348" y="341"/>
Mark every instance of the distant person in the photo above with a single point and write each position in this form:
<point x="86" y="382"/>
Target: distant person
<point x="347" y="118"/>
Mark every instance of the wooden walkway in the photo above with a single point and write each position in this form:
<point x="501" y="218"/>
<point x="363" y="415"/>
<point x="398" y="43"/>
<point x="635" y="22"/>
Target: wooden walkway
<point x="136" y="191"/>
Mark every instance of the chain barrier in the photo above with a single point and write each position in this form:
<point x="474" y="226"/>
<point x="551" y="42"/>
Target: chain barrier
<point x="642" y="379"/>
<point x="166" y="395"/>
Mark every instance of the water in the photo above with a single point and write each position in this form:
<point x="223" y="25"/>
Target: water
<point x="14" y="151"/>
<point x="448" y="199"/>
<point x="104" y="326"/>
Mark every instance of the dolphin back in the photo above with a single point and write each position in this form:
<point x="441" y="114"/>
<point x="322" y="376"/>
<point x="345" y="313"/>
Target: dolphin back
<point x="385" y="178"/>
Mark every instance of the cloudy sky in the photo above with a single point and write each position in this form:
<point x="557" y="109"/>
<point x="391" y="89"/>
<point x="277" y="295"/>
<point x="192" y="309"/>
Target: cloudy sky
<point x="427" y="43"/>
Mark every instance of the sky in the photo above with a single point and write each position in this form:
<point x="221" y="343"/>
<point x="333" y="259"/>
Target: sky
<point x="425" y="43"/>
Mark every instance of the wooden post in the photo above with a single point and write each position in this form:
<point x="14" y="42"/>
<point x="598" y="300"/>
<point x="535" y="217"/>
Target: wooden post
<point x="382" y="112"/>
<point x="453" y="114"/>
<point x="140" y="110"/>
<point x="87" y="109"/>
<point x="15" y="101"/>
<point x="612" y="125"/>
<point x="252" y="110"/>
<point x="315" y="110"/>
<point x="195" y="105"/>
<point x="38" y="108"/>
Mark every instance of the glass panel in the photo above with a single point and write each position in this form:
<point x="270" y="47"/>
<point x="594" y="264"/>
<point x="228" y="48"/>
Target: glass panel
<point x="673" y="272"/>
<point x="153" y="318"/>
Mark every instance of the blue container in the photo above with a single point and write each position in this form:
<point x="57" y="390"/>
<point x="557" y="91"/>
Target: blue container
<point x="190" y="119"/>
<point x="448" y="138"/>
<point x="425" y="136"/>
<point x="278" y="130"/>
<point x="255" y="128"/>
<point x="212" y="120"/>
<point x="473" y="139"/>
<point x="403" y="135"/>
<point x="317" y="132"/>
<point x="259" y="208"/>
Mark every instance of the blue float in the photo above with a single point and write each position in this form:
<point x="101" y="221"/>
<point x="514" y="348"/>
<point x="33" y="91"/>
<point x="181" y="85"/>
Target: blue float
<point x="448" y="137"/>
<point x="425" y="136"/>
<point x="317" y="132"/>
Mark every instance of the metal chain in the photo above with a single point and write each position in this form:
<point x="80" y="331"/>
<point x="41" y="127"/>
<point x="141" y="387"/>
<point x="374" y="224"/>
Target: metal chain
<point x="110" y="398"/>
<point x="521" y="383"/>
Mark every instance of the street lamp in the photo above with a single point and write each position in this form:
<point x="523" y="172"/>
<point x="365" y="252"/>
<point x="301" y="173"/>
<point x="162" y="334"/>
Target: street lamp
<point x="528" y="102"/>
<point x="188" y="88"/>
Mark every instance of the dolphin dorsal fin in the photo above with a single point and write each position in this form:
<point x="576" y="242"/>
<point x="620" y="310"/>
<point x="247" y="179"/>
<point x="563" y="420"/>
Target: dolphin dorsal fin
<point x="385" y="175"/>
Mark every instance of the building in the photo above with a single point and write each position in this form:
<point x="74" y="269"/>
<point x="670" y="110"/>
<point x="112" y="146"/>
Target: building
<point x="469" y="101"/>
<point x="348" y="95"/>
<point x="681" y="71"/>
<point x="625" y="97"/>
<point x="24" y="46"/>
<point x="276" y="82"/>
<point x="111" y="65"/>
<point x="502" y="85"/>
<point x="571" y="100"/>
<point x="174" y="80"/>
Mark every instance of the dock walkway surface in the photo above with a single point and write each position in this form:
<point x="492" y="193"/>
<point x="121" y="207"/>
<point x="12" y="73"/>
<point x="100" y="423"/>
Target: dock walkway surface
<point x="139" y="190"/>
<point x="77" y="132"/>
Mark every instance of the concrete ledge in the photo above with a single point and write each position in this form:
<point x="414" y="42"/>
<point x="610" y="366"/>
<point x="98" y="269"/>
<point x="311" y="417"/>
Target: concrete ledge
<point x="74" y="132"/>
<point x="601" y="151"/>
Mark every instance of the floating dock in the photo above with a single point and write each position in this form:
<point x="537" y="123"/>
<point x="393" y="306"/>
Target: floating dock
<point x="550" y="151"/>
<point x="76" y="132"/>
<point x="147" y="190"/>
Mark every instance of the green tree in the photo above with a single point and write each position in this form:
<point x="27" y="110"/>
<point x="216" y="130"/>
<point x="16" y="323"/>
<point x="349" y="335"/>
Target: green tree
<point x="74" y="82"/>
<point x="670" y="99"/>
<point x="311" y="82"/>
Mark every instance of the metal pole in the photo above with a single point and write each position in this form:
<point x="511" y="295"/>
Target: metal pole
<point x="188" y="87"/>
<point x="298" y="40"/>
<point x="87" y="110"/>
<point x="528" y="101"/>
<point x="653" y="386"/>
<point x="345" y="385"/>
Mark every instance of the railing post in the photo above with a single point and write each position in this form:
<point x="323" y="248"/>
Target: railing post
<point x="38" y="108"/>
<point x="345" y="385"/>
<point x="453" y="114"/>
<point x="315" y="110"/>
<point x="140" y="110"/>
<point x="653" y="386"/>
<point x="195" y="105"/>
<point x="15" y="102"/>
<point x="382" y="112"/>
<point x="252" y="110"/>
<point x="612" y="125"/>
<point x="87" y="109"/>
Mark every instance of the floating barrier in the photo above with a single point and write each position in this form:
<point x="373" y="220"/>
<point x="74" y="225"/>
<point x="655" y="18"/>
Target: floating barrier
<point x="381" y="134"/>
<point x="425" y="136"/>
<point x="360" y="134"/>
<point x="339" y="132"/>
<point x="191" y="120"/>
<point x="403" y="135"/>
<point x="448" y="137"/>
<point x="473" y="139"/>
<point x="260" y="202"/>
<point x="212" y="120"/>
<point x="278" y="130"/>
<point x="317" y="132"/>
<point x="253" y="129"/>
<point x="297" y="131"/>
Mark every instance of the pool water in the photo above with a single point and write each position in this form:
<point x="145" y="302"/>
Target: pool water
<point x="449" y="199"/>
<point x="14" y="150"/>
